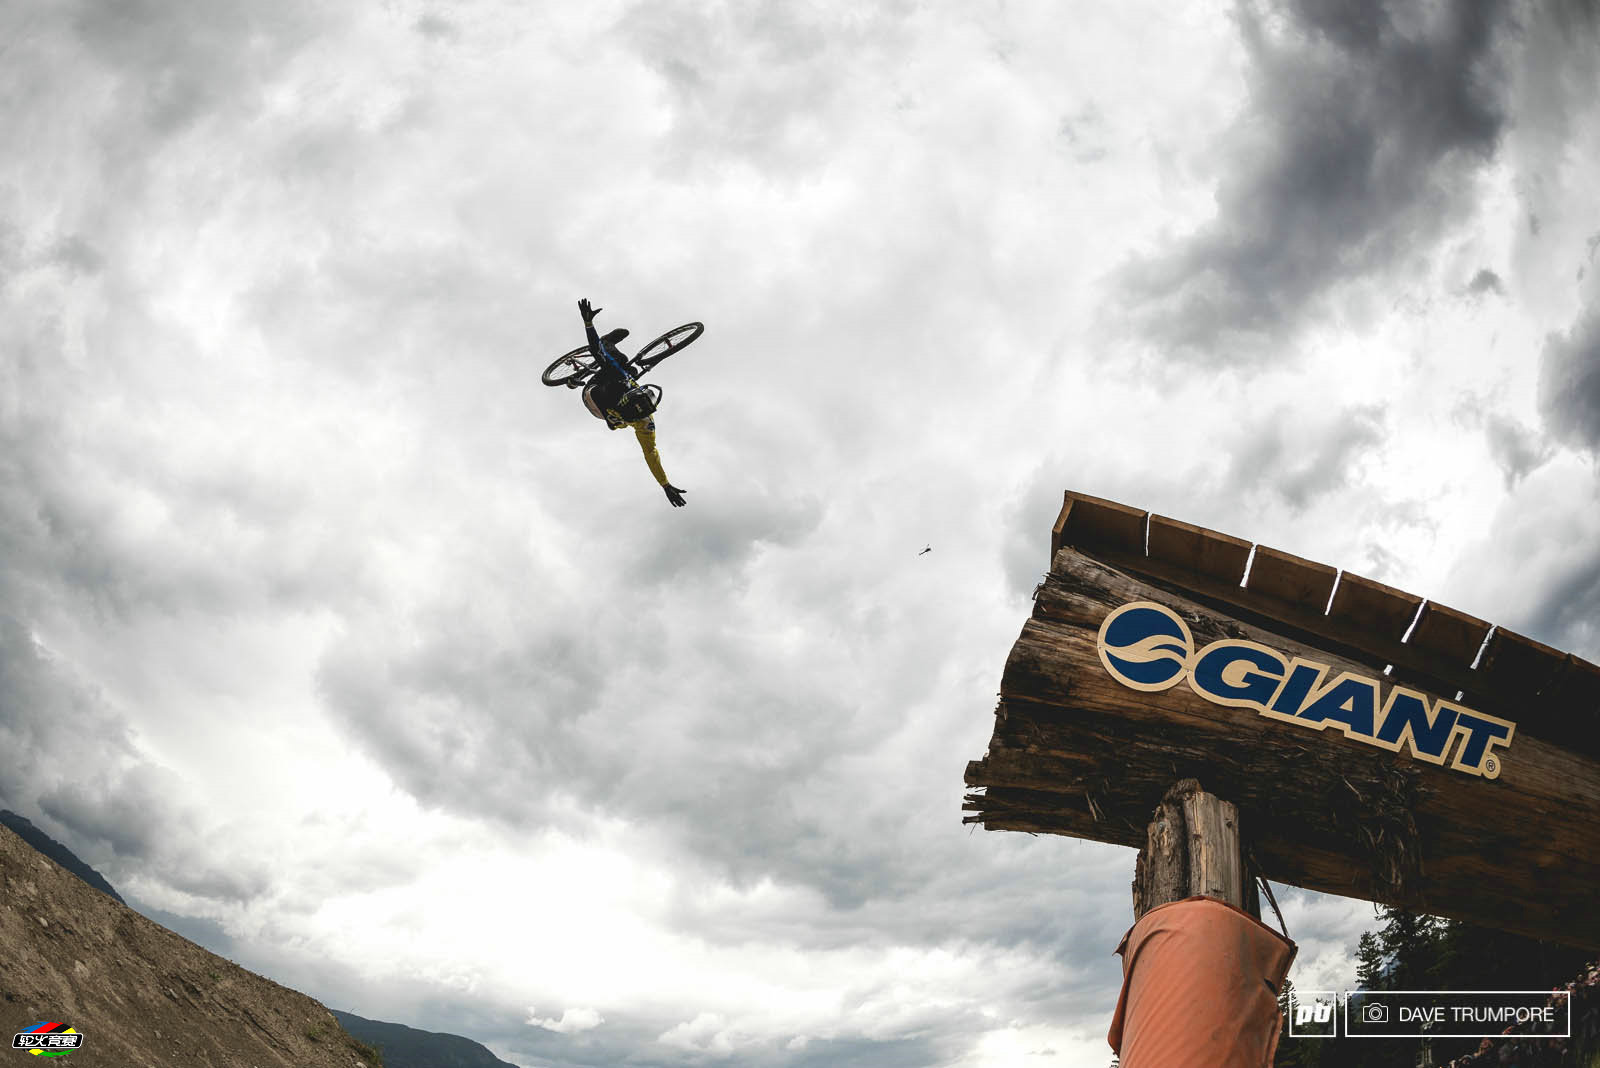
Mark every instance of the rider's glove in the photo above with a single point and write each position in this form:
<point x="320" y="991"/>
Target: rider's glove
<point x="586" y="311"/>
<point x="675" y="495"/>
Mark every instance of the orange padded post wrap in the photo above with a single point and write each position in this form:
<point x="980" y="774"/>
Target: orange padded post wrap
<point x="1200" y="982"/>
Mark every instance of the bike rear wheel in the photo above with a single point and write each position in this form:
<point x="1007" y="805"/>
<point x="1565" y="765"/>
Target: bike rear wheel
<point x="679" y="337"/>
<point x="569" y="369"/>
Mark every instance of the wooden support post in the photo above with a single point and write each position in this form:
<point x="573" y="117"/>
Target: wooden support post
<point x="1191" y="849"/>
<point x="1200" y="980"/>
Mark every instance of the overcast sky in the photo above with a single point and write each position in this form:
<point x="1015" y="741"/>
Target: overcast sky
<point x="339" y="642"/>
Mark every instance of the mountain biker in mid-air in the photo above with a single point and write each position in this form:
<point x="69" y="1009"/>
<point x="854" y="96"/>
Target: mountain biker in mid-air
<point x="615" y="396"/>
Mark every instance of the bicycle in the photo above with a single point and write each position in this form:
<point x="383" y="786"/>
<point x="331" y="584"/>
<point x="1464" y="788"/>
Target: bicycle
<point x="580" y="364"/>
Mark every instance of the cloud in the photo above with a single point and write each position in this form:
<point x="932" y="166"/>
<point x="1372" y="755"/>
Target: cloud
<point x="760" y="83"/>
<point x="334" y="602"/>
<point x="179" y="65"/>
<point x="706" y="1033"/>
<point x="1302" y="459"/>
<point x="572" y="1021"/>
<point x="107" y="801"/>
<point x="1537" y="569"/>
<point x="1368" y="126"/>
<point x="1517" y="449"/>
<point x="1569" y="382"/>
<point x="1486" y="281"/>
<point x="1557" y="532"/>
<point x="437" y="27"/>
<point x="47" y="711"/>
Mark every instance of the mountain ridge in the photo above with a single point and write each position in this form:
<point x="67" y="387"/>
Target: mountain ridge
<point x="409" y="1047"/>
<point x="57" y="852"/>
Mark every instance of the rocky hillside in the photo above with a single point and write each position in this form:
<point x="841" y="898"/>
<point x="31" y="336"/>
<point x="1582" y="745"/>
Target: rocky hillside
<point x="142" y="996"/>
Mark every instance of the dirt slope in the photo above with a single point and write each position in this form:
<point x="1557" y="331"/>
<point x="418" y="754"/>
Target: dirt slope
<point x="142" y="996"/>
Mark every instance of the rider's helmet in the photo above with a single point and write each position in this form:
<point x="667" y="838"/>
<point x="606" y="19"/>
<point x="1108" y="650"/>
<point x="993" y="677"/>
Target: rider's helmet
<point x="611" y="337"/>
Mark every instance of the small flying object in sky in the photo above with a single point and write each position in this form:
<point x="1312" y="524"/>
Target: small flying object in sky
<point x="929" y="549"/>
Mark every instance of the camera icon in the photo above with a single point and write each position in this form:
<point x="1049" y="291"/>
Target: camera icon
<point x="1374" y="1014"/>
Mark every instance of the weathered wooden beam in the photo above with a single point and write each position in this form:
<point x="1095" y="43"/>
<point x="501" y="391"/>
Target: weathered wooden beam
<point x="1517" y="678"/>
<point x="1185" y="547"/>
<point x="1095" y="522"/>
<point x="1076" y="751"/>
<point x="1303" y="586"/>
<point x="1191" y="850"/>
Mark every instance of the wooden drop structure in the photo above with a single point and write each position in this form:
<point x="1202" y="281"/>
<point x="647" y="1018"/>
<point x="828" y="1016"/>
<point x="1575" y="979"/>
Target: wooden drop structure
<point x="1076" y="751"/>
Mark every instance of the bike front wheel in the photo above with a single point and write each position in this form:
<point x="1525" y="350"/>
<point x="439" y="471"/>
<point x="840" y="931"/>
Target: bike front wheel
<point x="679" y="337"/>
<point x="569" y="369"/>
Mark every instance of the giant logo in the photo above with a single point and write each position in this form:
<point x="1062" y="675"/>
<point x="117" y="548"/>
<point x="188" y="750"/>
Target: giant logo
<point x="1148" y="647"/>
<point x="1145" y="646"/>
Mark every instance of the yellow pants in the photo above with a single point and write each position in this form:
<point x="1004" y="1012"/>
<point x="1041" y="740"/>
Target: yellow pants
<point x="645" y="431"/>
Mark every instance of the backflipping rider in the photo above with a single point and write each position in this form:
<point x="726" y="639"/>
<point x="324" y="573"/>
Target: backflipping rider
<point x="614" y="395"/>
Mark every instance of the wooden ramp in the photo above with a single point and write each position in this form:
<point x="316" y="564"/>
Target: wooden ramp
<point x="1377" y="745"/>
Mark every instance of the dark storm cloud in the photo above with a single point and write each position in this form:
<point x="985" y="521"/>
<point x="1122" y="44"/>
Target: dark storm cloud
<point x="70" y="758"/>
<point x="101" y="85"/>
<point x="75" y="526"/>
<point x="1567" y="611"/>
<point x="181" y="61"/>
<point x="723" y="537"/>
<point x="758" y="81"/>
<point x="1569" y="382"/>
<point x="96" y="527"/>
<point x="1284" y="455"/>
<point x="1486" y="281"/>
<point x="1567" y="614"/>
<point x="437" y="28"/>
<point x="471" y="722"/>
<point x="606" y="709"/>
<point x="1548" y="525"/>
<point x="77" y="254"/>
<point x="45" y="712"/>
<point x="1516" y="449"/>
<point x="1299" y="463"/>
<point x="71" y="764"/>
<point x="1365" y="126"/>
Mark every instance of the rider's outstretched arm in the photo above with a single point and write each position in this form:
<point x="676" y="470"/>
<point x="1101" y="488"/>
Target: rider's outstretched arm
<point x="597" y="348"/>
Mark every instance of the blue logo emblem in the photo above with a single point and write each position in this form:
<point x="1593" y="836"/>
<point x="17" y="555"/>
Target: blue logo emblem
<point x="1145" y="646"/>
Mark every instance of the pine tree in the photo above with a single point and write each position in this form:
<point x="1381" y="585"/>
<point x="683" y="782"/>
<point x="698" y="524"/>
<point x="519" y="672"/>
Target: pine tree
<point x="1369" y="962"/>
<point x="1411" y="942"/>
<point x="1403" y="955"/>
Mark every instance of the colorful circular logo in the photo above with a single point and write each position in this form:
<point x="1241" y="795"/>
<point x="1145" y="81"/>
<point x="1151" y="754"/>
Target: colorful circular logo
<point x="1145" y="646"/>
<point x="48" y="1039"/>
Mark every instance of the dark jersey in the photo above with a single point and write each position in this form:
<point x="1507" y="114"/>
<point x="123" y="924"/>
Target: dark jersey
<point x="610" y="382"/>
